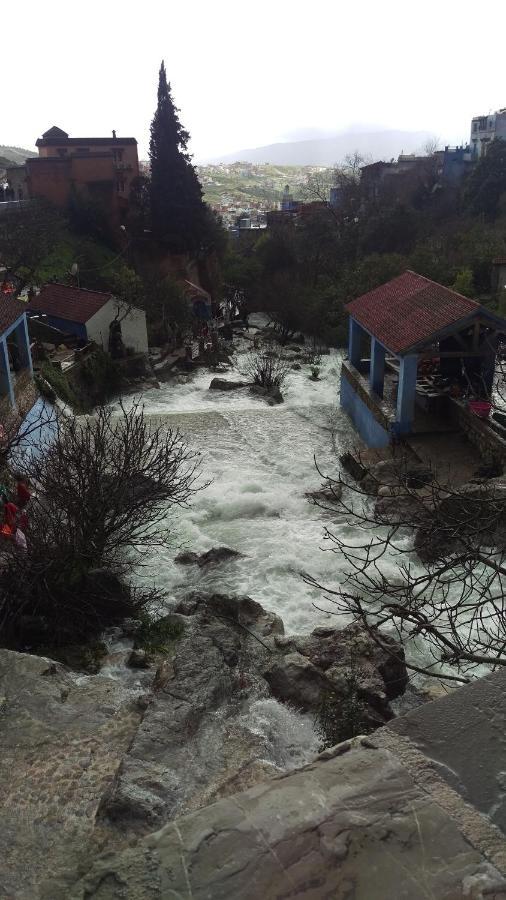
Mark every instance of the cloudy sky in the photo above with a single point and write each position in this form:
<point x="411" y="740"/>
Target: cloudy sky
<point x="247" y="74"/>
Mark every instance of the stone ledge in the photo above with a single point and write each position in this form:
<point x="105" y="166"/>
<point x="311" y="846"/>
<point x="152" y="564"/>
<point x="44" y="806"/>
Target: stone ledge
<point x="354" y="825"/>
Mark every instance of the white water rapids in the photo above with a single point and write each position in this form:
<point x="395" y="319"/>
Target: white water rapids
<point x="260" y="462"/>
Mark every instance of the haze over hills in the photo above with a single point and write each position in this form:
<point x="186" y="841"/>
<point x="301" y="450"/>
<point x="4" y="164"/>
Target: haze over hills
<point x="15" y="155"/>
<point x="328" y="151"/>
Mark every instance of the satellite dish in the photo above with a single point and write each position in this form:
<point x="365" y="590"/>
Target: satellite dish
<point x="74" y="269"/>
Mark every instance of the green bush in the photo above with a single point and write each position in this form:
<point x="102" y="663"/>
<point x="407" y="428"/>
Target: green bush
<point x="60" y="384"/>
<point x="156" y="635"/>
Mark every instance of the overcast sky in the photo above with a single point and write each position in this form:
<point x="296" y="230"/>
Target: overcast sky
<point x="247" y="74"/>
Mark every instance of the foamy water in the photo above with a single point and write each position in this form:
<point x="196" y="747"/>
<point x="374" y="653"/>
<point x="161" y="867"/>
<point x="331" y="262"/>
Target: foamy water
<point x="260" y="462"/>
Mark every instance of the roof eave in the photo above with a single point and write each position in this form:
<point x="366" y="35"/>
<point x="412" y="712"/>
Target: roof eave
<point x="458" y="325"/>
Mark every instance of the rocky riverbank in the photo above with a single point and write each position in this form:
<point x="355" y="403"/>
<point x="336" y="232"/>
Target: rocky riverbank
<point x="88" y="762"/>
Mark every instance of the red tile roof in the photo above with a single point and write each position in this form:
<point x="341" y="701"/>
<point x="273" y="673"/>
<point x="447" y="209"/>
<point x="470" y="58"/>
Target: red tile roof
<point x="11" y="309"/>
<point x="74" y="304"/>
<point x="409" y="309"/>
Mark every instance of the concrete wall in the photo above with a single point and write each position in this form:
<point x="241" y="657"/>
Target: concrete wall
<point x="488" y="442"/>
<point x="363" y="419"/>
<point x="133" y="326"/>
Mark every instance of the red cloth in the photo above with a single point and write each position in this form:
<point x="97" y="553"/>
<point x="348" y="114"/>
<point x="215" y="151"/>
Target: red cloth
<point x="23" y="493"/>
<point x="10" y="514"/>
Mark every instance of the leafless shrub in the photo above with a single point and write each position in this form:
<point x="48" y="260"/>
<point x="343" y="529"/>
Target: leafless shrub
<point x="105" y="485"/>
<point x="427" y="562"/>
<point x="266" y="367"/>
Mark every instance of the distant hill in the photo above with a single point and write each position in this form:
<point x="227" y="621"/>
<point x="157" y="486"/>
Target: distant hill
<point x="14" y="155"/>
<point x="327" y="151"/>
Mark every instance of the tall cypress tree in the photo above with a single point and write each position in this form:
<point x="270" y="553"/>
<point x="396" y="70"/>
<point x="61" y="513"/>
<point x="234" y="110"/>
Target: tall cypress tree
<point x="178" y="213"/>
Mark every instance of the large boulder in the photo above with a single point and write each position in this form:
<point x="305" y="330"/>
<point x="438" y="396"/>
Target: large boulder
<point x="210" y="557"/>
<point x="342" y="676"/>
<point x="326" y="495"/>
<point x="474" y="513"/>
<point x="273" y="395"/>
<point x="294" y="679"/>
<point x="223" y="384"/>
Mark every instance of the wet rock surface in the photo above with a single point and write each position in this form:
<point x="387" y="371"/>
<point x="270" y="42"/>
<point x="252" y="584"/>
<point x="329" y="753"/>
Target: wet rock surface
<point x="224" y="384"/>
<point x="62" y="739"/>
<point x="233" y="654"/>
<point x="98" y="760"/>
<point x="210" y="557"/>
<point x="354" y="825"/>
<point x="326" y="495"/>
<point x="92" y="767"/>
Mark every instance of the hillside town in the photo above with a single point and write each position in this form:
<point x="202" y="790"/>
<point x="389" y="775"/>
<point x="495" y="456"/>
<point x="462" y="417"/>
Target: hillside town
<point x="209" y="377"/>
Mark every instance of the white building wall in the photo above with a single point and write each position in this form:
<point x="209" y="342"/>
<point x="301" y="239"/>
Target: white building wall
<point x="485" y="129"/>
<point x="133" y="326"/>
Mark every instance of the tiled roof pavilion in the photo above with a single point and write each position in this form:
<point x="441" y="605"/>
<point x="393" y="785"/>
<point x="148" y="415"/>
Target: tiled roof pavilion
<point x="409" y="310"/>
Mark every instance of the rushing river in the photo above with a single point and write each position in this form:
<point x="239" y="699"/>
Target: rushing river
<point x="260" y="464"/>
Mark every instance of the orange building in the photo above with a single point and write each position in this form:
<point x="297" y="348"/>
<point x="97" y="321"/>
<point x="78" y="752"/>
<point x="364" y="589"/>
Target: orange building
<point x="98" y="168"/>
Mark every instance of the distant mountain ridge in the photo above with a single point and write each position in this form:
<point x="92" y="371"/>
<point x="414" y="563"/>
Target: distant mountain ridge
<point x="15" y="155"/>
<point x="328" y="151"/>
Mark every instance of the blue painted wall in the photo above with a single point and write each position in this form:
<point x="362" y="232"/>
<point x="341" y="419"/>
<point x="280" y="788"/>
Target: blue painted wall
<point x="66" y="326"/>
<point x="368" y="428"/>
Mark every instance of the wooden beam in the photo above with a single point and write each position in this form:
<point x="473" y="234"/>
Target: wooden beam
<point x="452" y="354"/>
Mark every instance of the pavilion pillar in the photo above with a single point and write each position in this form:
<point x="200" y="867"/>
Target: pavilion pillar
<point x="488" y="364"/>
<point x="355" y="343"/>
<point x="22" y="339"/>
<point x="406" y="393"/>
<point x="377" y="370"/>
<point x="6" y="386"/>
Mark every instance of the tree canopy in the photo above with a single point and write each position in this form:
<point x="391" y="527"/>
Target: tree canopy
<point x="178" y="213"/>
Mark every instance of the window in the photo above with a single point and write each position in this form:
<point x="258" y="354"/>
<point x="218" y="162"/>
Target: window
<point x="118" y="155"/>
<point x="62" y="151"/>
<point x="120" y="185"/>
<point x="475" y="126"/>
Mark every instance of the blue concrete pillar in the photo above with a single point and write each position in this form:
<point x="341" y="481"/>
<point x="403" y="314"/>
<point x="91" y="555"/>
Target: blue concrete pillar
<point x="406" y="394"/>
<point x="377" y="370"/>
<point x="355" y="343"/>
<point x="6" y="386"/>
<point x="22" y="339"/>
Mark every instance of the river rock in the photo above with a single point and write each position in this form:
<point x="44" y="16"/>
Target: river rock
<point x="351" y="463"/>
<point x="335" y="663"/>
<point x="457" y="514"/>
<point x="210" y="557"/>
<point x="331" y="494"/>
<point x="223" y="384"/>
<point x="273" y="396"/>
<point x="401" y="509"/>
<point x="139" y="659"/>
<point x="294" y="679"/>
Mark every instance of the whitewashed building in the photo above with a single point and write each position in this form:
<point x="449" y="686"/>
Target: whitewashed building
<point x="485" y="129"/>
<point x="89" y="314"/>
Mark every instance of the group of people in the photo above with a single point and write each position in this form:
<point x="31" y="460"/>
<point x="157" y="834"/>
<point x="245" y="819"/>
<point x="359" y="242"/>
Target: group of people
<point x="15" y="517"/>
